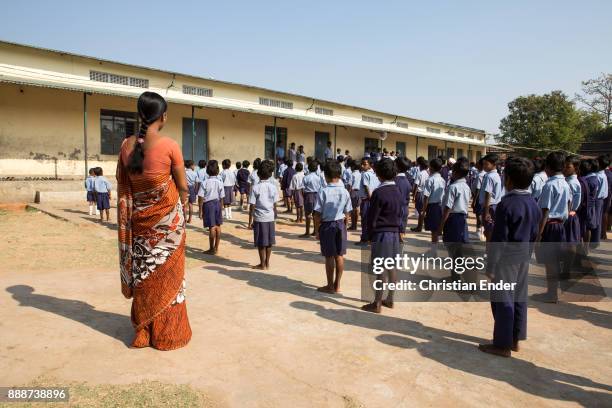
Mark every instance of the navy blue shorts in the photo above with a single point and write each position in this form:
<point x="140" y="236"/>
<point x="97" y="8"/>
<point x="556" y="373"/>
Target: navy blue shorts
<point x="573" y="231"/>
<point x="264" y="234"/>
<point x="212" y="213"/>
<point x="433" y="217"/>
<point x="102" y="201"/>
<point x="309" y="202"/>
<point x="298" y="198"/>
<point x="549" y="252"/>
<point x="193" y="196"/>
<point x="333" y="238"/>
<point x="91" y="197"/>
<point x="385" y="244"/>
<point x="229" y="195"/>
<point x="243" y="188"/>
<point x="355" y="200"/>
<point x="455" y="228"/>
<point x="418" y="201"/>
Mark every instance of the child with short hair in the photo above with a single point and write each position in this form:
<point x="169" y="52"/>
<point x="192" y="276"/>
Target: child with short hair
<point x="285" y="186"/>
<point x="539" y="178"/>
<point x="433" y="191"/>
<point x="242" y="180"/>
<point x="572" y="227"/>
<point x="490" y="193"/>
<point x="369" y="183"/>
<point x="516" y="222"/>
<point x="405" y="188"/>
<point x="346" y="174"/>
<point x="331" y="209"/>
<point x="383" y="228"/>
<point x="354" y="192"/>
<point x="192" y="177"/>
<point x="212" y="192"/>
<point x="453" y="226"/>
<point x="91" y="195"/>
<point x="103" y="188"/>
<point x="236" y="170"/>
<point x="476" y="209"/>
<point x="229" y="181"/>
<point x="417" y="192"/>
<point x="201" y="178"/>
<point x="262" y="200"/>
<point x="554" y="202"/>
<point x="312" y="186"/>
<point x="296" y="188"/>
<point x="603" y="161"/>
<point x="591" y="226"/>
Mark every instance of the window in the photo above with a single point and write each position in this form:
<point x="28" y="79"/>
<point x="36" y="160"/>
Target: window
<point x="432" y="152"/>
<point x="433" y="130"/>
<point x="324" y="111"/>
<point x="114" y="127"/>
<point x="371" y="119"/>
<point x="275" y="103"/>
<point x="118" y="79"/>
<point x="371" y="145"/>
<point x="195" y="90"/>
<point x="460" y="153"/>
<point x="281" y="136"/>
<point x="403" y="125"/>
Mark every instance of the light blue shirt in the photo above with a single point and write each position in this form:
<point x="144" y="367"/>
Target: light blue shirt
<point x="575" y="189"/>
<point x="355" y="180"/>
<point x="191" y="176"/>
<point x="212" y="189"/>
<point x="434" y="188"/>
<point x="297" y="181"/>
<point x="201" y="175"/>
<point x="413" y="172"/>
<point x="253" y="178"/>
<point x="602" y="192"/>
<point x="328" y="153"/>
<point x="555" y="196"/>
<point x="369" y="180"/>
<point x="281" y="169"/>
<point x="420" y="179"/>
<point x="537" y="184"/>
<point x="312" y="183"/>
<point x="301" y="157"/>
<point x="457" y="197"/>
<point x="491" y="183"/>
<point x="347" y="176"/>
<point x="333" y="202"/>
<point x="89" y="183"/>
<point x="280" y="153"/>
<point x="481" y="175"/>
<point x="263" y="196"/>
<point x="102" y="185"/>
<point x="228" y="177"/>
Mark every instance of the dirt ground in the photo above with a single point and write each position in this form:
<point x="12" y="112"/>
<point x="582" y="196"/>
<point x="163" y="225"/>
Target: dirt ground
<point x="268" y="339"/>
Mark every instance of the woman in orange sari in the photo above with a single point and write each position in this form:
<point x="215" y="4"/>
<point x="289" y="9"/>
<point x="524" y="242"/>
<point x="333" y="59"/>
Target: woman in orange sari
<point x="152" y="190"/>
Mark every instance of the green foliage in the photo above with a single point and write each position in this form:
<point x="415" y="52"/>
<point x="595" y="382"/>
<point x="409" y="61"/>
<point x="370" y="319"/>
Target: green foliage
<point x="544" y="123"/>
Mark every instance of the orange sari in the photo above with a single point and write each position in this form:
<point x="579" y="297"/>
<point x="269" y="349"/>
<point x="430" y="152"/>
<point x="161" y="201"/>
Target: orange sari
<point x="152" y="257"/>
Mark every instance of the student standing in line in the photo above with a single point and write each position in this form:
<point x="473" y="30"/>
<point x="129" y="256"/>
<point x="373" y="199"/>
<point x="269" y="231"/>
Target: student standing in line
<point x="369" y="182"/>
<point x="301" y="156"/>
<point x="332" y="206"/>
<point x="91" y="194"/>
<point x="285" y="186"/>
<point x="572" y="227"/>
<point x="354" y="193"/>
<point x="417" y="192"/>
<point x="262" y="201"/>
<point x="555" y="202"/>
<point x="242" y="180"/>
<point x="202" y="176"/>
<point x="490" y="193"/>
<point x="296" y="188"/>
<point x="588" y="169"/>
<point x="433" y="190"/>
<point x="103" y="189"/>
<point x="236" y="170"/>
<point x="347" y="173"/>
<point x="383" y="229"/>
<point x="405" y="188"/>
<point x="212" y="192"/>
<point x="229" y="181"/>
<point x="192" y="177"/>
<point x="602" y="196"/>
<point x="292" y="153"/>
<point x="539" y="178"/>
<point x="516" y="226"/>
<point x="312" y="185"/>
<point x="607" y="218"/>
<point x="476" y="208"/>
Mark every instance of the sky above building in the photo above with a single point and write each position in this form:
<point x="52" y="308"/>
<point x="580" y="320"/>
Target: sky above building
<point x="448" y="61"/>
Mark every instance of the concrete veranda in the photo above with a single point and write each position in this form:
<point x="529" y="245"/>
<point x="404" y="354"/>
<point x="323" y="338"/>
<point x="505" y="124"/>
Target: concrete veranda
<point x="268" y="338"/>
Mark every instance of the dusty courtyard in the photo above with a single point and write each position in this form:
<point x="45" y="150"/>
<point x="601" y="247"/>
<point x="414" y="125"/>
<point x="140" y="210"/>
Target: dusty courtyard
<point x="268" y="338"/>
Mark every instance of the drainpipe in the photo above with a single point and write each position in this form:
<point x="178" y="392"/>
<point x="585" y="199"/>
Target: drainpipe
<point x="416" y="148"/>
<point x="84" y="132"/>
<point x="446" y="149"/>
<point x="274" y="142"/>
<point x="193" y="133"/>
<point x="335" y="138"/>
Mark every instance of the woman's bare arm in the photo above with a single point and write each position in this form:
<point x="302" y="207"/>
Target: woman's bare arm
<point x="178" y="173"/>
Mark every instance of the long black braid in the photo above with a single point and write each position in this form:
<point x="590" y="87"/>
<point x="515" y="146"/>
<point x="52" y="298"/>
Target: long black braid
<point x="151" y="106"/>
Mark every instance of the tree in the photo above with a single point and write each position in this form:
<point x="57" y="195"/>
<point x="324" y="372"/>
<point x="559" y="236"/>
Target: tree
<point x="544" y="123"/>
<point x="597" y="97"/>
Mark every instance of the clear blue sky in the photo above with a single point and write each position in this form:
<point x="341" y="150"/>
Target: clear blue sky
<point x="453" y="61"/>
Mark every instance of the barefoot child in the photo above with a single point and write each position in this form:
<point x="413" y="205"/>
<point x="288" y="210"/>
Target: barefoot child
<point x="212" y="192"/>
<point x="296" y="187"/>
<point x="433" y="190"/>
<point x="312" y="185"/>
<point x="242" y="181"/>
<point x="286" y="186"/>
<point x="102" y="188"/>
<point x="91" y="196"/>
<point x="369" y="183"/>
<point x="354" y="192"/>
<point x="191" y="177"/>
<point x="572" y="224"/>
<point x="490" y="193"/>
<point x="516" y="221"/>
<point x="405" y="188"/>
<point x="417" y="193"/>
<point x="476" y="209"/>
<point x="229" y="181"/>
<point x="200" y="179"/>
<point x="330" y="212"/>
<point x="262" y="200"/>
<point x="383" y="228"/>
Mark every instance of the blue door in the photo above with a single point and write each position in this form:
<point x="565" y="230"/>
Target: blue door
<point x="195" y="145"/>
<point x="321" y="139"/>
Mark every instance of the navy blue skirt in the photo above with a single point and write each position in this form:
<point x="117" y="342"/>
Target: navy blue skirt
<point x="264" y="234"/>
<point x="298" y="198"/>
<point x="355" y="200"/>
<point x="243" y="188"/>
<point x="364" y="207"/>
<point x="91" y="197"/>
<point x="549" y="252"/>
<point x="573" y="232"/>
<point x="333" y="238"/>
<point x="212" y="213"/>
<point x="418" y="201"/>
<point x="385" y="244"/>
<point x="455" y="228"/>
<point x="193" y="194"/>
<point x="433" y="217"/>
<point x="102" y="201"/>
<point x="309" y="202"/>
<point x="229" y="195"/>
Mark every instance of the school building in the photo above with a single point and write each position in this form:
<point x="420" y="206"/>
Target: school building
<point x="61" y="113"/>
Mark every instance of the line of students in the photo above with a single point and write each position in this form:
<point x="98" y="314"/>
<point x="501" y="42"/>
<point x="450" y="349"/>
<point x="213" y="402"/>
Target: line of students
<point x="98" y="190"/>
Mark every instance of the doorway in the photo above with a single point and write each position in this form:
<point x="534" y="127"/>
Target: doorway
<point x="195" y="146"/>
<point x="321" y="139"/>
